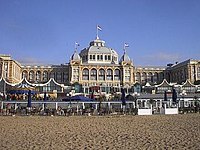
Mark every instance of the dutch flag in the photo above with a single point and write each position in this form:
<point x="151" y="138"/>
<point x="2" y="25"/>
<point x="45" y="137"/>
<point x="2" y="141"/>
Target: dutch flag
<point x="126" y="45"/>
<point x="99" y="28"/>
<point x="77" y="44"/>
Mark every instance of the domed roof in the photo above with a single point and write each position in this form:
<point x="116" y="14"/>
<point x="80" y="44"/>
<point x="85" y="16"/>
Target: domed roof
<point x="97" y="49"/>
<point x="125" y="58"/>
<point x="75" y="56"/>
<point x="98" y="46"/>
<point x="97" y="52"/>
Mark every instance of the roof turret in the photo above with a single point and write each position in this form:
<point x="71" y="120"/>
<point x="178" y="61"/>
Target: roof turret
<point x="125" y="58"/>
<point x="75" y="56"/>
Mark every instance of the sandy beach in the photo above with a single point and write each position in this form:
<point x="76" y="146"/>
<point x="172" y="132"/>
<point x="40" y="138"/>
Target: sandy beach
<point x="101" y="132"/>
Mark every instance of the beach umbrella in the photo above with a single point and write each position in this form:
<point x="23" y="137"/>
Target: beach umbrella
<point x="174" y="96"/>
<point x="29" y="99"/>
<point x="165" y="96"/>
<point x="123" y="97"/>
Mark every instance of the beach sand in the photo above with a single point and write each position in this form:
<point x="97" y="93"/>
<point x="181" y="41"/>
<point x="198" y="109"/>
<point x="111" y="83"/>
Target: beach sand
<point x="101" y="132"/>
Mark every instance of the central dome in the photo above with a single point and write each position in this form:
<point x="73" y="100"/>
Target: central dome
<point x="97" y="52"/>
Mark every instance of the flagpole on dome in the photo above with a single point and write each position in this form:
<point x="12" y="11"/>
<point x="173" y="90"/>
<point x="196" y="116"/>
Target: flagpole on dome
<point x="97" y="33"/>
<point x="98" y="28"/>
<point x="125" y="46"/>
<point x="76" y="45"/>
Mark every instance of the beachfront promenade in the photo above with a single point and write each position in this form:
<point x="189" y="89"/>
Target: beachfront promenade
<point x="65" y="108"/>
<point x="62" y="108"/>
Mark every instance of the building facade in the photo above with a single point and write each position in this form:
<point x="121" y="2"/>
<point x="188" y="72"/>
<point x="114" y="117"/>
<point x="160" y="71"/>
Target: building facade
<point x="180" y="72"/>
<point x="99" y="66"/>
<point x="10" y="69"/>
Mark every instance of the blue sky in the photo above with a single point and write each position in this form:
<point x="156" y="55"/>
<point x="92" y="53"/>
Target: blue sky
<point x="44" y="31"/>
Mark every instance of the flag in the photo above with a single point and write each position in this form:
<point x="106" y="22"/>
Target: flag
<point x="99" y="28"/>
<point x="77" y="44"/>
<point x="126" y="45"/>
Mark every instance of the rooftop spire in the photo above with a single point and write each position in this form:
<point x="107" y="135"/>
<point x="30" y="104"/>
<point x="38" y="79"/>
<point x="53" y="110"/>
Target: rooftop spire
<point x="75" y="56"/>
<point x="125" y="57"/>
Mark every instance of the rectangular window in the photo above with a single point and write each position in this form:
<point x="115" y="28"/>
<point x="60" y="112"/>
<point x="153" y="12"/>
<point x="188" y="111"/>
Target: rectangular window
<point x="98" y="57"/>
<point x="93" y="57"/>
<point x="109" y="78"/>
<point x="127" y="78"/>
<point x="90" y="57"/>
<point x="101" y="57"/>
<point x="198" y="72"/>
<point x="108" y="57"/>
<point x="105" y="57"/>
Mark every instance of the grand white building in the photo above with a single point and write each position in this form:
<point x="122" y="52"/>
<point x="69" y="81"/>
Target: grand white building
<point x="98" y="66"/>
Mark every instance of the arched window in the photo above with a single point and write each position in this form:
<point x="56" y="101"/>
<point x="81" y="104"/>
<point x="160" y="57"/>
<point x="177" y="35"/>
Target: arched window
<point x="101" y="74"/>
<point x="138" y="77"/>
<point x="31" y="75"/>
<point x="93" y="74"/>
<point x="117" y="74"/>
<point x="45" y="76"/>
<point x="24" y="74"/>
<point x="155" y="77"/>
<point x="85" y="75"/>
<point x="150" y="77"/>
<point x="109" y="74"/>
<point x="144" y="77"/>
<point x="38" y="76"/>
<point x="161" y="77"/>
